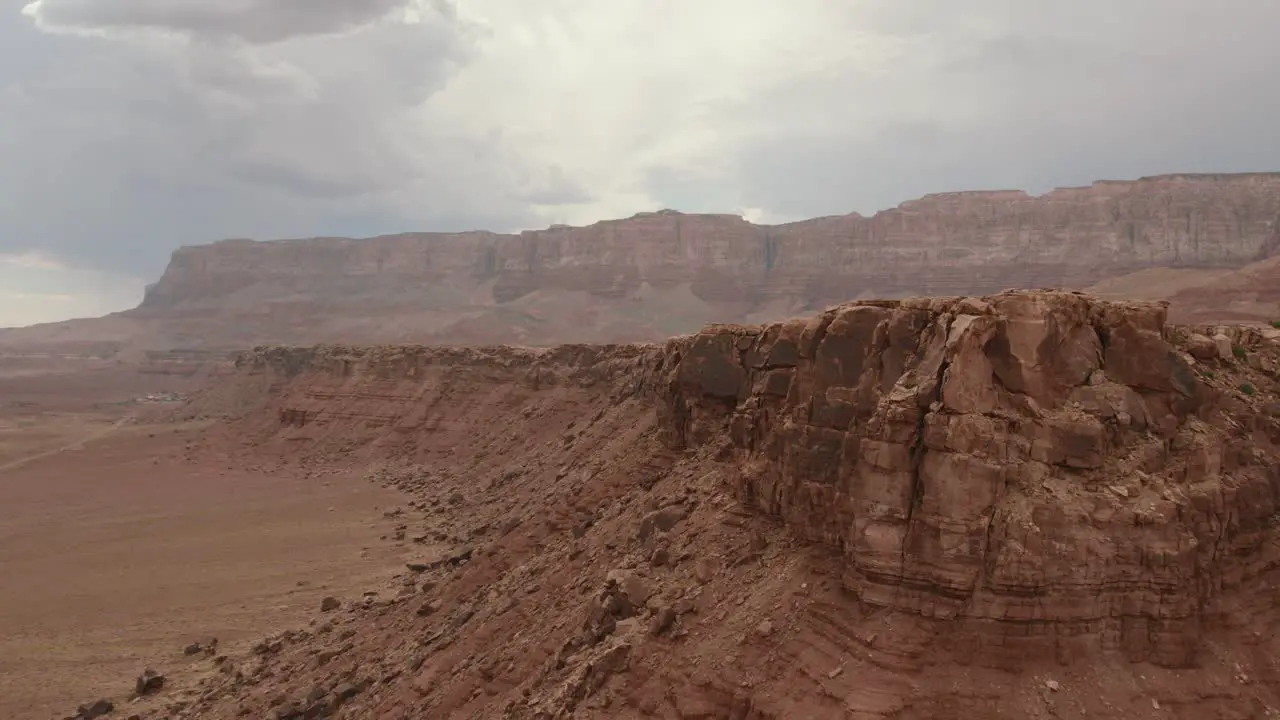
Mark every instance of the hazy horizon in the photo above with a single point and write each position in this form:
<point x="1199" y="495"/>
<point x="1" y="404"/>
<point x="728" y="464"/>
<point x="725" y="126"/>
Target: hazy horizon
<point x="134" y="128"/>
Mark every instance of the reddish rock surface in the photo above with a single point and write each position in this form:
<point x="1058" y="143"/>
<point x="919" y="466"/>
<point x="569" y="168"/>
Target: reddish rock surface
<point x="653" y="275"/>
<point x="939" y="244"/>
<point x="1046" y="473"/>
<point x="1027" y="505"/>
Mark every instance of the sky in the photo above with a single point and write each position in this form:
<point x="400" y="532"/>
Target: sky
<point x="131" y="127"/>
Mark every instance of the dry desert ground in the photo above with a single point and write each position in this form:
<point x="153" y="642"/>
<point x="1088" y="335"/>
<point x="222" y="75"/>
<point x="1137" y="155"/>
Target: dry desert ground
<point x="120" y="543"/>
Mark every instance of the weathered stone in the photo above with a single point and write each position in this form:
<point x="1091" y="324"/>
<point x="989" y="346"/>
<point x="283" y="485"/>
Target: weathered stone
<point x="1202" y="348"/>
<point x="345" y="691"/>
<point x="916" y="437"/>
<point x="95" y="709"/>
<point x="662" y="520"/>
<point x="1222" y="344"/>
<point x="148" y="682"/>
<point x="660" y="557"/>
<point x="662" y="620"/>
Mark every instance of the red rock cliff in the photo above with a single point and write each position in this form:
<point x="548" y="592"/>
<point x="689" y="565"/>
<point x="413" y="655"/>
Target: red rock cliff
<point x="1028" y="480"/>
<point x="968" y="242"/>
<point x="1046" y="471"/>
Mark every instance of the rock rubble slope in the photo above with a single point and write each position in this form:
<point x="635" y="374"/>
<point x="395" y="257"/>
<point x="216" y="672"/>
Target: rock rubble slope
<point x="1028" y="505"/>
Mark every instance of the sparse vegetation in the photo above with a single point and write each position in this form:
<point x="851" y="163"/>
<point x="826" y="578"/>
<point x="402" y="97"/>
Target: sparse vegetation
<point x="1239" y="352"/>
<point x="1275" y="324"/>
<point x="1248" y="389"/>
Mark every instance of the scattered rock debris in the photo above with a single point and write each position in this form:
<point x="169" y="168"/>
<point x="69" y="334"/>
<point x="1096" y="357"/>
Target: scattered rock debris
<point x="872" y="513"/>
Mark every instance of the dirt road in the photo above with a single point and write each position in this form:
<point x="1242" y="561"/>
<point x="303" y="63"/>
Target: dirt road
<point x="77" y="445"/>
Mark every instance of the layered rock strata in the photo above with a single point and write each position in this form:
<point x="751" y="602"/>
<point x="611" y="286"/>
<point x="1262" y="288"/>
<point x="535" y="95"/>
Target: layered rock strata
<point x="1050" y="473"/>
<point x="362" y="391"/>
<point x="1042" y="473"/>
<point x="963" y="242"/>
<point x="656" y="274"/>
<point x="933" y="486"/>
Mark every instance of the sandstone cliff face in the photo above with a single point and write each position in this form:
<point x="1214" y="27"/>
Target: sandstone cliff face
<point x="1046" y="473"/>
<point x="955" y="243"/>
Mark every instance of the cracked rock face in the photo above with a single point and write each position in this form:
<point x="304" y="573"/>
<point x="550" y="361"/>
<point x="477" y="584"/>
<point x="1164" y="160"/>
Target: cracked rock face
<point x="1044" y="470"/>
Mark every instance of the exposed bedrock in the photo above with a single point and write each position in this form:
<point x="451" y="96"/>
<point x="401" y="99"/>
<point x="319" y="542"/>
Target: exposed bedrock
<point x="1050" y="473"/>
<point x="947" y="243"/>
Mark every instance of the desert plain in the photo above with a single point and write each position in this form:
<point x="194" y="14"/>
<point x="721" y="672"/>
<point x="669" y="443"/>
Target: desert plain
<point x="124" y="539"/>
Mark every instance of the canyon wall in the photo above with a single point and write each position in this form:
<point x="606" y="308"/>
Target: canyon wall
<point x="654" y="275"/>
<point x="657" y="274"/>
<point x="1046" y="472"/>
<point x="940" y="244"/>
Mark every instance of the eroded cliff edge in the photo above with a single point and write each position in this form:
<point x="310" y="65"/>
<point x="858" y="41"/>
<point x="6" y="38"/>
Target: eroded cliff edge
<point x="650" y="276"/>
<point x="654" y="275"/>
<point x="927" y="508"/>
<point x="1053" y="474"/>
<point x="1047" y="473"/>
<point x="947" y="243"/>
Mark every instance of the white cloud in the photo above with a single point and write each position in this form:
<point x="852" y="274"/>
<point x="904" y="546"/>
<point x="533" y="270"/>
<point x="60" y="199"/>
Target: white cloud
<point x="268" y="118"/>
<point x="35" y="289"/>
<point x="612" y="92"/>
<point x="30" y="260"/>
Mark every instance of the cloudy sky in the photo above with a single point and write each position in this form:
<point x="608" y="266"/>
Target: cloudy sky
<point x="130" y="127"/>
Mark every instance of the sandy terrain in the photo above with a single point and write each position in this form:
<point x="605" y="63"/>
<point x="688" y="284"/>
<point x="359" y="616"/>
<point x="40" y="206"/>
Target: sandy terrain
<point x="26" y="438"/>
<point x="46" y="405"/>
<point x="1249" y="295"/>
<point x="1155" y="283"/>
<point x="118" y="554"/>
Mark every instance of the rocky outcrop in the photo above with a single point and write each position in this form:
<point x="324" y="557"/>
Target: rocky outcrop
<point x="361" y="393"/>
<point x="1050" y="474"/>
<point x="183" y="363"/>
<point x="584" y="364"/>
<point x="1044" y="473"/>
<point x="925" y="489"/>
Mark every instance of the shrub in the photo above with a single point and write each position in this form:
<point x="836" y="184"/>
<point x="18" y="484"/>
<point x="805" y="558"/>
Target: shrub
<point x="1275" y="324"/>
<point x="1248" y="389"/>
<point x="1239" y="352"/>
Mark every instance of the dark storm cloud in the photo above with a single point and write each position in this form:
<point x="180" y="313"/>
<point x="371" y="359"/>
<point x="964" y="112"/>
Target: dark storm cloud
<point x="250" y="20"/>
<point x="119" y="150"/>
<point x="132" y="126"/>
